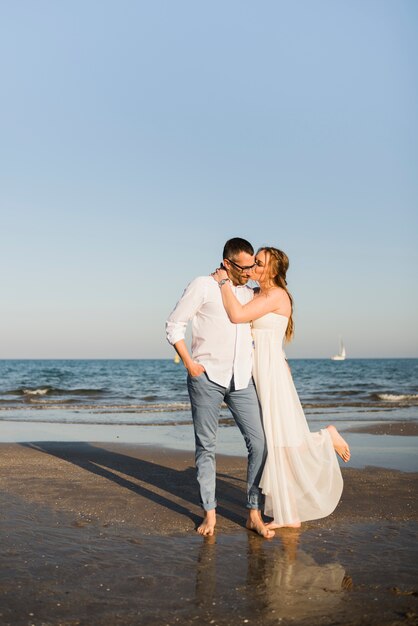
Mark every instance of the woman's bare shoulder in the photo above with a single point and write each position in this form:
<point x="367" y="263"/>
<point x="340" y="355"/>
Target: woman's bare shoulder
<point x="275" y="292"/>
<point x="278" y="293"/>
<point x="280" y="297"/>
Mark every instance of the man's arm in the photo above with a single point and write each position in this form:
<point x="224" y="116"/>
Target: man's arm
<point x="193" y="368"/>
<point x="178" y="320"/>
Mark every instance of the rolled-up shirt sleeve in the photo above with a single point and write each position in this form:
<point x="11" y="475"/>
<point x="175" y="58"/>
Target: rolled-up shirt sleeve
<point x="185" y="309"/>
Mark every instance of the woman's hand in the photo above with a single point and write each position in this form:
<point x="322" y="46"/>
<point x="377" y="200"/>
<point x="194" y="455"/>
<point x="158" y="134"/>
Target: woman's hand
<point x="219" y="274"/>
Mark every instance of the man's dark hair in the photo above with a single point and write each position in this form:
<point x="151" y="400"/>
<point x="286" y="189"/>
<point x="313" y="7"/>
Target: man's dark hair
<point x="236" y="245"/>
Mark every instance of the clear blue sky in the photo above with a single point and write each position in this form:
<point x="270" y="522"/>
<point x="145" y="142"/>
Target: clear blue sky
<point x="137" y="136"/>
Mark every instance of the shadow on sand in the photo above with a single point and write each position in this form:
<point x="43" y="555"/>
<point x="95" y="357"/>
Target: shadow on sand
<point x="149" y="479"/>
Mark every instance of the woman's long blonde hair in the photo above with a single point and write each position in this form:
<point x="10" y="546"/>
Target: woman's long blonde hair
<point x="278" y="264"/>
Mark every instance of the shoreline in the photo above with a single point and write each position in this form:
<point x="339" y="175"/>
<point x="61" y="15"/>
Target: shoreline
<point x="103" y="534"/>
<point x="398" y="428"/>
<point x="391" y="444"/>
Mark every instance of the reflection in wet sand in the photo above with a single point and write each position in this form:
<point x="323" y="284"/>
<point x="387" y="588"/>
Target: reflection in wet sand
<point x="288" y="581"/>
<point x="206" y="572"/>
<point x="273" y="579"/>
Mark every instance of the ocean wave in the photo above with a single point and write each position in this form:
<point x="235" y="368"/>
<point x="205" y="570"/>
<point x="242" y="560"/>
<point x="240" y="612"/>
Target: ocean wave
<point x="74" y="406"/>
<point x="336" y="392"/>
<point x="397" y="397"/>
<point x="98" y="420"/>
<point x="101" y="408"/>
<point x="44" y="390"/>
<point x="35" y="392"/>
<point x="45" y="398"/>
<point x="347" y="405"/>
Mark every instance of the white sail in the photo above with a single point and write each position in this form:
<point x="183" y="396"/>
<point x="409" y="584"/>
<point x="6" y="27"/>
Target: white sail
<point x="342" y="353"/>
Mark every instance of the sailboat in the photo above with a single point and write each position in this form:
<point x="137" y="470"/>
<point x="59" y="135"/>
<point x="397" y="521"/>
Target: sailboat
<point x="176" y="358"/>
<point x="342" y="354"/>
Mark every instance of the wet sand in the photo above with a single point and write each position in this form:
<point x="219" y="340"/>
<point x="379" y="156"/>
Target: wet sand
<point x="104" y="534"/>
<point x="406" y="429"/>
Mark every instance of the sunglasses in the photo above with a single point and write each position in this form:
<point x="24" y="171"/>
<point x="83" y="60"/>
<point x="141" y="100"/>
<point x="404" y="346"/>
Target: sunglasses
<point x="243" y="268"/>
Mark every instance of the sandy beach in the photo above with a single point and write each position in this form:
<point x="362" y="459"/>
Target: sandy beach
<point x="104" y="534"/>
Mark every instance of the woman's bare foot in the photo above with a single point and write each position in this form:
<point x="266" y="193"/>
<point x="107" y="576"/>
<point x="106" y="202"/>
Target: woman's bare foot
<point x="255" y="523"/>
<point x="207" y="527"/>
<point x="273" y="525"/>
<point x="340" y="445"/>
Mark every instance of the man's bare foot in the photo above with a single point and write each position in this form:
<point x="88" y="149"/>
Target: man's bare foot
<point x="340" y="445"/>
<point x="273" y="525"/>
<point x="255" y="523"/>
<point x="207" y="527"/>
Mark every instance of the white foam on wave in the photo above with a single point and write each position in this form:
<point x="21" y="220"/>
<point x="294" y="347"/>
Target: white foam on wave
<point x="63" y="405"/>
<point x="394" y="397"/>
<point x="35" y="392"/>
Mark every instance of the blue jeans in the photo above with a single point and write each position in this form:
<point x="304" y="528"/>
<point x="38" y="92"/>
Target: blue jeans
<point x="206" y="398"/>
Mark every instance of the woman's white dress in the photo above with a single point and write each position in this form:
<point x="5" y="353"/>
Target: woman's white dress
<point x="301" y="478"/>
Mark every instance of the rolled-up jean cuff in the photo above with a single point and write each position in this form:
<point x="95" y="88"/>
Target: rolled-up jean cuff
<point x="255" y="502"/>
<point x="209" y="505"/>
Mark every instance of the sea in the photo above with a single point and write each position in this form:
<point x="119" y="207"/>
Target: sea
<point x="154" y="392"/>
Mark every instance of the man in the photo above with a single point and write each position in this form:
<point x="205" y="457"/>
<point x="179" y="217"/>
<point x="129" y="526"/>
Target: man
<point x="219" y="370"/>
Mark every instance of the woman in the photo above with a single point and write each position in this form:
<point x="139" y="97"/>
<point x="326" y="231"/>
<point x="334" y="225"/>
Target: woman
<point x="301" y="478"/>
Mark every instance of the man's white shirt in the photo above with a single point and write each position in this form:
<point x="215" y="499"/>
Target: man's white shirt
<point x="223" y="348"/>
